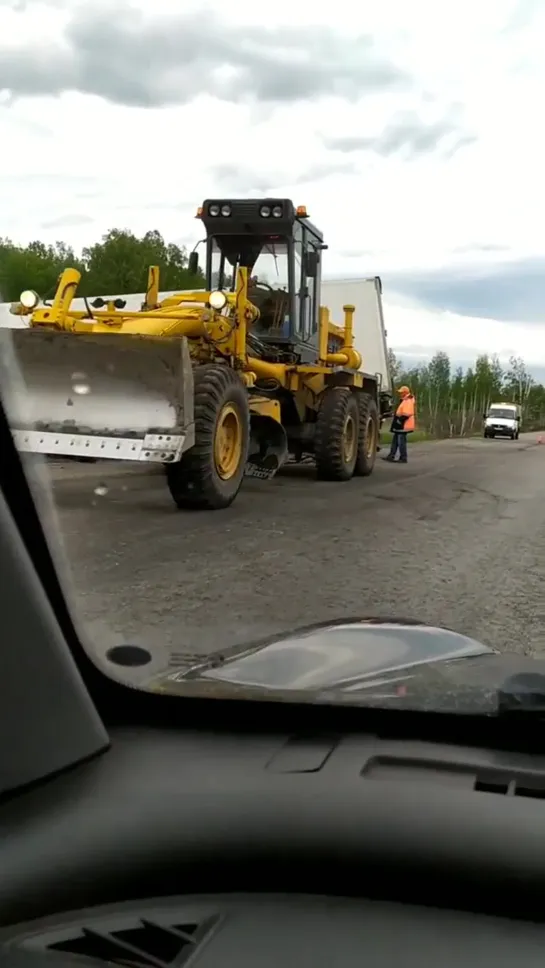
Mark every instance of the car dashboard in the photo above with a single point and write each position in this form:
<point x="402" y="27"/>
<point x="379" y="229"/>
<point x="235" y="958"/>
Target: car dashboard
<point x="218" y="849"/>
<point x="150" y="831"/>
<point x="272" y="930"/>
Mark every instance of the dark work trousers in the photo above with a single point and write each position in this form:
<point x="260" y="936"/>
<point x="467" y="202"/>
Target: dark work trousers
<point x="399" y="442"/>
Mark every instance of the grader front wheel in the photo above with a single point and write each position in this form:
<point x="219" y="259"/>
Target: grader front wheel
<point x="337" y="435"/>
<point x="209" y="475"/>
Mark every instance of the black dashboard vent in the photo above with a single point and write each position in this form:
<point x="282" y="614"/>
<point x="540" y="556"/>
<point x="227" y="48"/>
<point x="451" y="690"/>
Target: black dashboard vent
<point x="140" y="944"/>
<point x="533" y="787"/>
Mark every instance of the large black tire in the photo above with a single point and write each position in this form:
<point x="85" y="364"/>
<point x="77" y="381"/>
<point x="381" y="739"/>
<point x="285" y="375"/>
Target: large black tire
<point x="200" y="481"/>
<point x="336" y="439"/>
<point x="368" y="435"/>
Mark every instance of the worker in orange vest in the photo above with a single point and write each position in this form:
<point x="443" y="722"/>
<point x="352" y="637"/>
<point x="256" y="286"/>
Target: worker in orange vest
<point x="402" y="424"/>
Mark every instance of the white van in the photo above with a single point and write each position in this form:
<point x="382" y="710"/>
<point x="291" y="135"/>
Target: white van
<point x="502" y="420"/>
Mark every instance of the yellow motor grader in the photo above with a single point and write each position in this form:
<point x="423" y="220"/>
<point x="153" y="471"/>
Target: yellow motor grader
<point x="213" y="384"/>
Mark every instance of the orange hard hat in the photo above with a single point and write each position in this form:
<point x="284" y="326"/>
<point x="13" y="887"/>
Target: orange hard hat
<point x="404" y="391"/>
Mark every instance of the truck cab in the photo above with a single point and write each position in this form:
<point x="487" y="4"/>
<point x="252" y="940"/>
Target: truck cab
<point x="502" y="420"/>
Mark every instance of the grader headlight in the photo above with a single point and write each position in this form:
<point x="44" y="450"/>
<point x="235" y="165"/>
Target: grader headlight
<point x="276" y="211"/>
<point x="217" y="299"/>
<point x="216" y="209"/>
<point x="29" y="299"/>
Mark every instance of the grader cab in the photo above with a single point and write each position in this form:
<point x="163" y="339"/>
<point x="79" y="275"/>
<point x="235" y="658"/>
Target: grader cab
<point x="214" y="384"/>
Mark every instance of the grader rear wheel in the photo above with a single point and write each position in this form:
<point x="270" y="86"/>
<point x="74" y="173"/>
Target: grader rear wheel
<point x="369" y="433"/>
<point x="209" y="475"/>
<point x="337" y="435"/>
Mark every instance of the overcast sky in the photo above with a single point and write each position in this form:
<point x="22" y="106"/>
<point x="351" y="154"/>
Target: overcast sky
<point x="408" y="130"/>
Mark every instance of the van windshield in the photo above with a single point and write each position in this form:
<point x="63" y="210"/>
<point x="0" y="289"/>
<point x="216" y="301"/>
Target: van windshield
<point x="503" y="412"/>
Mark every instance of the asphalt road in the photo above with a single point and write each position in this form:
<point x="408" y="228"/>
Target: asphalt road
<point x="456" y="537"/>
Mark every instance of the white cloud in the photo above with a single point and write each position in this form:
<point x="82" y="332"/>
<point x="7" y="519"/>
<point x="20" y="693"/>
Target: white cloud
<point x="415" y="333"/>
<point x="410" y="131"/>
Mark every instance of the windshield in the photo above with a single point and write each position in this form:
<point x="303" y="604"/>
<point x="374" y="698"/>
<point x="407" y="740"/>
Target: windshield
<point x="281" y="493"/>
<point x="270" y="267"/>
<point x="502" y="412"/>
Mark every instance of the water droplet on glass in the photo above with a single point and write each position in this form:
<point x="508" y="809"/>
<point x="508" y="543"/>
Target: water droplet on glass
<point x="101" y="490"/>
<point x="80" y="383"/>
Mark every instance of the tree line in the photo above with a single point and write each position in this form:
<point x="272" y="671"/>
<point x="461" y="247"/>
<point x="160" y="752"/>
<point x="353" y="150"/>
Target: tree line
<point x="117" y="264"/>
<point x="451" y="402"/>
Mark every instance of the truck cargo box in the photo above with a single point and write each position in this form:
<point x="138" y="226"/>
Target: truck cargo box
<point x="369" y="330"/>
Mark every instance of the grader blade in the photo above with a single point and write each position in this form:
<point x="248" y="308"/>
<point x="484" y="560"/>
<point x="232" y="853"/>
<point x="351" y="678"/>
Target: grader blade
<point x="268" y="447"/>
<point x="98" y="395"/>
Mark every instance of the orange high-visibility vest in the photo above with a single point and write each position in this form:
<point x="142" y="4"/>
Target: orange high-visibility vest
<point x="407" y="409"/>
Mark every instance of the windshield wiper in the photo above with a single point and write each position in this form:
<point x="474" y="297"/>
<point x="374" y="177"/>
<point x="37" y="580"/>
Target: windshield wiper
<point x="524" y="694"/>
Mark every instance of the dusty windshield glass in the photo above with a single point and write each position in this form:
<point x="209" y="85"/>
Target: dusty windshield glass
<point x="502" y="412"/>
<point x="259" y="311"/>
<point x="270" y="267"/>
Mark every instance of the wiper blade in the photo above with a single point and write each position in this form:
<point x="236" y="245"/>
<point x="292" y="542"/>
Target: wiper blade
<point x="524" y="694"/>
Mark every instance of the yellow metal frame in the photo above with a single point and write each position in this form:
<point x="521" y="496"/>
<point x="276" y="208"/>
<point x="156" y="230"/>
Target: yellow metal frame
<point x="210" y="333"/>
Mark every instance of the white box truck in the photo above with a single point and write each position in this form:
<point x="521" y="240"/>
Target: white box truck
<point x="369" y="329"/>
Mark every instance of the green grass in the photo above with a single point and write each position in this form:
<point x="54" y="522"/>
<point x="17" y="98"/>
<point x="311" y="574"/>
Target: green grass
<point x="417" y="437"/>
